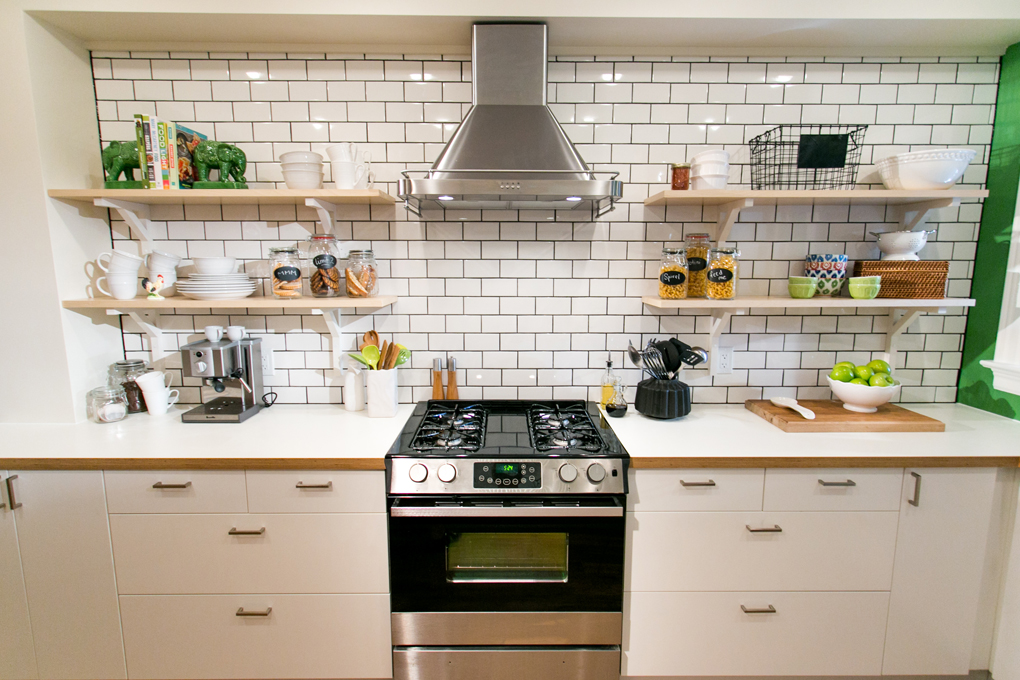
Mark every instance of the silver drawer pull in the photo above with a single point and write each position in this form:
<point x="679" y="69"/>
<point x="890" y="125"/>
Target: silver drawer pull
<point x="161" y="485"/>
<point x="770" y="610"/>
<point x="776" y="529"/>
<point x="241" y="612"/>
<point x="687" y="485"/>
<point x="234" y="531"/>
<point x="848" y="482"/>
<point x="10" y="492"/>
<point x="302" y="485"/>
<point x="915" y="501"/>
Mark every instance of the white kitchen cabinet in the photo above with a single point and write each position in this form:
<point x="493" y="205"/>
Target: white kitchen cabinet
<point x="67" y="559"/>
<point x="695" y="490"/>
<point x="17" y="654"/>
<point x="833" y="490"/>
<point x="316" y="491"/>
<point x="175" y="491"/>
<point x="940" y="554"/>
<point x="303" y="636"/>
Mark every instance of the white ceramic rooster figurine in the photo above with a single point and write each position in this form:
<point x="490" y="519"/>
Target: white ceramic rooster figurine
<point x="153" y="287"/>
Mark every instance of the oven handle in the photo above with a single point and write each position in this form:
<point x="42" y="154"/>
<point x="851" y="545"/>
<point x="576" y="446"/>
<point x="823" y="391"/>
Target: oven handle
<point x="519" y="511"/>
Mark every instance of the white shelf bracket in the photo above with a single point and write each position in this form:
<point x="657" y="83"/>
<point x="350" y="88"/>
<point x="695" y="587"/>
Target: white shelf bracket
<point x="136" y="215"/>
<point x="898" y="324"/>
<point x="720" y="320"/>
<point x="336" y="321"/>
<point x="913" y="215"/>
<point x="327" y="213"/>
<point x="148" y="320"/>
<point x="728" y="214"/>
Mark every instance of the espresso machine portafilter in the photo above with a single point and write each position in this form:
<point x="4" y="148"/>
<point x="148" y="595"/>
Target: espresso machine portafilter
<point x="231" y="373"/>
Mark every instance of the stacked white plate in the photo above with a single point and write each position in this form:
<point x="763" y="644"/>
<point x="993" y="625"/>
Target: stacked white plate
<point x="216" y="286"/>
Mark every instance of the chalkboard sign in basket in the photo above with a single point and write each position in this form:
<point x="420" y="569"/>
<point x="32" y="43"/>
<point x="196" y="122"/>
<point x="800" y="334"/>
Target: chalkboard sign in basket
<point x="807" y="157"/>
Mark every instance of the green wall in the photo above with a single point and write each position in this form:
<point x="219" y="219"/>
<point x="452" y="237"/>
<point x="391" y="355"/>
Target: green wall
<point x="993" y="248"/>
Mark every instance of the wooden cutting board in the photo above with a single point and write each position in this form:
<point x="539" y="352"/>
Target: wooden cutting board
<point x="830" y="416"/>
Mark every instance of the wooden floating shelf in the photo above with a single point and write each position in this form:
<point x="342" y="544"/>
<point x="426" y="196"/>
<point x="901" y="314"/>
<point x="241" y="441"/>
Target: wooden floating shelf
<point x="172" y="303"/>
<point x="817" y="302"/>
<point x="808" y="196"/>
<point x="225" y="196"/>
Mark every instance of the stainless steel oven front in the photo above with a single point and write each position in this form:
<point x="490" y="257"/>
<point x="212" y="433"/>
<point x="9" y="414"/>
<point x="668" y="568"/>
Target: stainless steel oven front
<point x="506" y="587"/>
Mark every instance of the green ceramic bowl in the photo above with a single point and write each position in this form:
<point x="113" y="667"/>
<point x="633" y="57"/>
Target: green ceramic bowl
<point x="802" y="291"/>
<point x="867" y="280"/>
<point x="864" y="291"/>
<point x="803" y="280"/>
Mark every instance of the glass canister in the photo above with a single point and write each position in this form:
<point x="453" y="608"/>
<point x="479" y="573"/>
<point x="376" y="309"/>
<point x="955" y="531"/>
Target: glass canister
<point x="680" y="176"/>
<point x="123" y="374"/>
<point x="722" y="273"/>
<point x="106" y="404"/>
<point x="698" y="246"/>
<point x="285" y="264"/>
<point x="325" y="278"/>
<point x="673" y="274"/>
<point x="361" y="274"/>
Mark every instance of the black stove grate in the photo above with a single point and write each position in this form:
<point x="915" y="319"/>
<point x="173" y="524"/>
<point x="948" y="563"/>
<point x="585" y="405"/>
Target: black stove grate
<point x="449" y="427"/>
<point x="565" y="427"/>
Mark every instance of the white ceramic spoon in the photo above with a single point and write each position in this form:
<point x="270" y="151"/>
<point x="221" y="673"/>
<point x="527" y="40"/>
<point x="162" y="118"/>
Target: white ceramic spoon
<point x="792" y="403"/>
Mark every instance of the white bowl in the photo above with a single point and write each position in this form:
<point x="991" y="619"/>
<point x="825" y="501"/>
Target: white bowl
<point x="300" y="157"/>
<point x="709" y="181"/>
<point x="931" y="169"/>
<point x="310" y="167"/>
<point x="862" y="398"/>
<point x="902" y="245"/>
<point x="302" y="179"/>
<point x="709" y="168"/>
<point x="711" y="156"/>
<point x="215" y="265"/>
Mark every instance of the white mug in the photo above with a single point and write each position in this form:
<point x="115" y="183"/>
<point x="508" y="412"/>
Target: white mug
<point x="119" y="262"/>
<point x="345" y="151"/>
<point x="159" y="401"/>
<point x="213" y="333"/>
<point x="169" y="281"/>
<point x="368" y="179"/>
<point x="347" y="174"/>
<point x="122" y="286"/>
<point x="235" y="333"/>
<point x="154" y="380"/>
<point x="162" y="262"/>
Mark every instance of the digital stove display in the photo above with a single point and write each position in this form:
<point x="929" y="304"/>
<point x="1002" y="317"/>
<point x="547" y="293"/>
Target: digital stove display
<point x="512" y="475"/>
<point x="507" y="470"/>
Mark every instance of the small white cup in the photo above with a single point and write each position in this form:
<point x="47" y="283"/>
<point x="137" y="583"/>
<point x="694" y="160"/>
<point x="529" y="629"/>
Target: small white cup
<point x="154" y="380"/>
<point x="159" y="401"/>
<point x="123" y="286"/>
<point x="169" y="288"/>
<point x="347" y="174"/>
<point x="235" y="333"/>
<point x="158" y="261"/>
<point x="213" y="333"/>
<point x="119" y="262"/>
<point x="345" y="151"/>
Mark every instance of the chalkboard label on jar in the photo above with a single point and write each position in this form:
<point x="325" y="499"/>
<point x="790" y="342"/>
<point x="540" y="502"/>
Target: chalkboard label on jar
<point x="719" y="275"/>
<point x="696" y="264"/>
<point x="286" y="273"/>
<point x="672" y="278"/>
<point x="324" y="261"/>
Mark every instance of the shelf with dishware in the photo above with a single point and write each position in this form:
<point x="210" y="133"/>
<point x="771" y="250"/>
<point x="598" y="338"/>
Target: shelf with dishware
<point x="902" y="312"/>
<point x="147" y="313"/>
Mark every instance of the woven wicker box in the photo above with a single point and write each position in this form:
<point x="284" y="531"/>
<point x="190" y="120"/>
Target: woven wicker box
<point x="903" y="279"/>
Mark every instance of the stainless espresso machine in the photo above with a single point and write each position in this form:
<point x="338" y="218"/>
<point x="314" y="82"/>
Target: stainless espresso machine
<point x="231" y="373"/>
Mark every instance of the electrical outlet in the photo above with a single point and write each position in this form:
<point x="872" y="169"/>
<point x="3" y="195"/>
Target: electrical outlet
<point x="724" y="360"/>
<point x="268" y="362"/>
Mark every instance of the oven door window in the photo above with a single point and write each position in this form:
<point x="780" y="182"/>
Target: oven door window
<point x="502" y="557"/>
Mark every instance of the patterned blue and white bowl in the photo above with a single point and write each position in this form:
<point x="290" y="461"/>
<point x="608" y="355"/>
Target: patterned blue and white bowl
<point x="830" y="286"/>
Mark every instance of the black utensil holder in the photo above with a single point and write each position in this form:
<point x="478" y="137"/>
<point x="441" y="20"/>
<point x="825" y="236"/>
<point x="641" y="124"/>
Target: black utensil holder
<point x="664" y="399"/>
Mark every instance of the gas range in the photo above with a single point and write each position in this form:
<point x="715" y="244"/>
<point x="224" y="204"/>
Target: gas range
<point x="499" y="447"/>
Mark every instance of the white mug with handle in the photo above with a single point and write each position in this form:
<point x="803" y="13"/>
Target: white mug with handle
<point x="119" y="262"/>
<point x="347" y="174"/>
<point x="158" y="401"/>
<point x="154" y="380"/>
<point x="123" y="286"/>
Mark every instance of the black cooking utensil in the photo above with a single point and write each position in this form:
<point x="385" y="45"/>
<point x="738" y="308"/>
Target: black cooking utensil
<point x="692" y="356"/>
<point x="670" y="355"/>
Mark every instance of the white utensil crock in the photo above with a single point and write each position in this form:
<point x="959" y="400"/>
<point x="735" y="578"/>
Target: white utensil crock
<point x="382" y="393"/>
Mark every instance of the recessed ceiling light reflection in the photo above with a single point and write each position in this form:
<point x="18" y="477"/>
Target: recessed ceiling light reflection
<point x="445" y="198"/>
<point x="573" y="199"/>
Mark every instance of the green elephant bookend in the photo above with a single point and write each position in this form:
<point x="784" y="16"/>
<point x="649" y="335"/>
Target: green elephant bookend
<point x="121" y="158"/>
<point x="227" y="159"/>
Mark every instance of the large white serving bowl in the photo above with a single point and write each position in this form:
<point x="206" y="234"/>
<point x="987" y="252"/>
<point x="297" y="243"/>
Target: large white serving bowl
<point x="862" y="398"/>
<point x="931" y="169"/>
<point x="215" y="265"/>
<point x="302" y="179"/>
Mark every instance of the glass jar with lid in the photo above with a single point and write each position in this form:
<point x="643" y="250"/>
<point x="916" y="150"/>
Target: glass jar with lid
<point x="106" y="404"/>
<point x="722" y="273"/>
<point x="123" y="374"/>
<point x="698" y="246"/>
<point x="324" y="280"/>
<point x="285" y="265"/>
<point x="673" y="274"/>
<point x="680" y="176"/>
<point x="361" y="274"/>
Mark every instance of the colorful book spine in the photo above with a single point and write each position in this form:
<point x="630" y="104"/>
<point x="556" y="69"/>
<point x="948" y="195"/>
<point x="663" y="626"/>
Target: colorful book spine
<point x="164" y="160"/>
<point x="143" y="165"/>
<point x="171" y="148"/>
<point x="150" y="157"/>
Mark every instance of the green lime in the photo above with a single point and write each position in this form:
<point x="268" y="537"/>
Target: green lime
<point x="881" y="380"/>
<point x="879" y="366"/>
<point x="859" y="381"/>
<point x="864" y="372"/>
<point x="842" y="373"/>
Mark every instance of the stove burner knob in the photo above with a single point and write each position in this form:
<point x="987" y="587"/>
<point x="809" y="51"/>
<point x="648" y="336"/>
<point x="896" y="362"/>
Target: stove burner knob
<point x="568" y="472"/>
<point x="447" y="473"/>
<point x="418" y="473"/>
<point x="596" y="473"/>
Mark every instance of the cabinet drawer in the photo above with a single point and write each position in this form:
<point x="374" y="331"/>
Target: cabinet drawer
<point x="175" y="491"/>
<point x="195" y="554"/>
<point x="826" y="489"/>
<point x="316" y="491"/>
<point x="698" y="490"/>
<point x="674" y="634"/>
<point x="304" y="636"/>
<point x="695" y="551"/>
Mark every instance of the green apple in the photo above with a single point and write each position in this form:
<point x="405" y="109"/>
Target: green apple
<point x="848" y="364"/>
<point x="842" y="373"/>
<point x="881" y="380"/>
<point x="859" y="381"/>
<point x="864" y="372"/>
<point x="879" y="366"/>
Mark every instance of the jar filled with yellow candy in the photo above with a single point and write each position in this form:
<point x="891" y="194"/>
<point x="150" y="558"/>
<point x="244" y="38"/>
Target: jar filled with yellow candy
<point x="673" y="274"/>
<point x="722" y="273"/>
<point x="698" y="246"/>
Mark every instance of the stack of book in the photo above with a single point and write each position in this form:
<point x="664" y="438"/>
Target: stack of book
<point x="165" y="153"/>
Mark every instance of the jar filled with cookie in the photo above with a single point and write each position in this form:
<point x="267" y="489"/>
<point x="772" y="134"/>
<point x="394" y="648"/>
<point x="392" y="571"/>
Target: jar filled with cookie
<point x="361" y="274"/>
<point x="722" y="273"/>
<point x="285" y="265"/>
<point x="325" y="279"/>
<point x="673" y="274"/>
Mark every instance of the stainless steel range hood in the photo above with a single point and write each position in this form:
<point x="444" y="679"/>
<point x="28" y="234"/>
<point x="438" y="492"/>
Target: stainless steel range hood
<point x="509" y="153"/>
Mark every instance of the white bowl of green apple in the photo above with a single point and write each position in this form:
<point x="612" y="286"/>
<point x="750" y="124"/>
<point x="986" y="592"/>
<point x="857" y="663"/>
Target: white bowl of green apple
<point x="862" y="389"/>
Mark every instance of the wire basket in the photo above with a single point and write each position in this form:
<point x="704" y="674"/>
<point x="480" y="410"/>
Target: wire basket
<point x="807" y="157"/>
